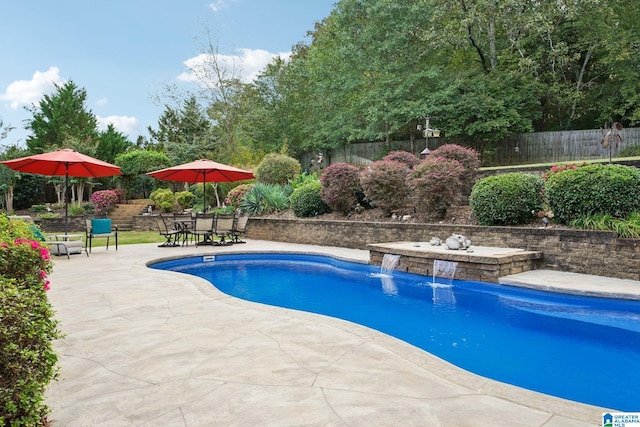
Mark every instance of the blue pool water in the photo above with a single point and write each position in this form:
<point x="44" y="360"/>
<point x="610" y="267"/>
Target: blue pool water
<point x="579" y="348"/>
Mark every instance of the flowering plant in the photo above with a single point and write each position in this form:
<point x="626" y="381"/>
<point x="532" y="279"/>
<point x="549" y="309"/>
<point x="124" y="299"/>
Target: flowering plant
<point x="104" y="199"/>
<point x="556" y="169"/>
<point x="28" y="328"/>
<point x="234" y="197"/>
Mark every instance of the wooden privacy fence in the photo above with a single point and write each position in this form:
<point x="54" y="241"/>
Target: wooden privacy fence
<point x="529" y="148"/>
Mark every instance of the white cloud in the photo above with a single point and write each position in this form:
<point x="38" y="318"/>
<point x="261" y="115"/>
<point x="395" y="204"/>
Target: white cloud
<point x="248" y="63"/>
<point x="29" y="92"/>
<point x="217" y="5"/>
<point x="124" y="124"/>
<point x="102" y="101"/>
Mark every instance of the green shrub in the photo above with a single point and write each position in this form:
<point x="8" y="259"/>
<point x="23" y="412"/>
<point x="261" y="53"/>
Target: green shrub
<point x="185" y="199"/>
<point x="27" y="359"/>
<point x="76" y="209"/>
<point x="593" y="189"/>
<point x="89" y="207"/>
<point x="38" y="208"/>
<point x="340" y="187"/>
<point x="409" y="159"/>
<point x="277" y="169"/>
<point x="436" y="185"/>
<point x="630" y="151"/>
<point x="509" y="199"/>
<point x="224" y="210"/>
<point x="302" y="179"/>
<point x="306" y="201"/>
<point x="384" y="184"/>
<point x="46" y="215"/>
<point x="262" y="199"/>
<point x="164" y="199"/>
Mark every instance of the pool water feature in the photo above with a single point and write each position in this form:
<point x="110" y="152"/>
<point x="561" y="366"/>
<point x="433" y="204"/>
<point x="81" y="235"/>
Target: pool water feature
<point x="580" y="348"/>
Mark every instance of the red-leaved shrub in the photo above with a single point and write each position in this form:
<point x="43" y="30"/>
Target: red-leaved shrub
<point x="468" y="157"/>
<point x="409" y="159"/>
<point x="385" y="185"/>
<point x="436" y="185"/>
<point x="340" y="185"/>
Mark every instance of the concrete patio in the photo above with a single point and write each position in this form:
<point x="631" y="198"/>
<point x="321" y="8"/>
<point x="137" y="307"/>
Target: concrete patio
<point x="152" y="348"/>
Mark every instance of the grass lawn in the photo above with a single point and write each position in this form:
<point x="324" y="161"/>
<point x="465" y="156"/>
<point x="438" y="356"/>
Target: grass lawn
<point x="130" y="238"/>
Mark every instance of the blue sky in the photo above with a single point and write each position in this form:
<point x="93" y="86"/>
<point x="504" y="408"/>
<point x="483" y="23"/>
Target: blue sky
<point x="123" y="52"/>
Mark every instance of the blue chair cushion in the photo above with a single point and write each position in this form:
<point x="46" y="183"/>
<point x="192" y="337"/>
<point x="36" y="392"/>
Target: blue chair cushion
<point x="37" y="233"/>
<point x="101" y="226"/>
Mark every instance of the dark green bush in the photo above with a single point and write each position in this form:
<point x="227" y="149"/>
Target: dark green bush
<point x="385" y="185"/>
<point x="510" y="199"/>
<point x="38" y="208"/>
<point x="27" y="329"/>
<point x="593" y="189"/>
<point x="306" y="201"/>
<point x="277" y="169"/>
<point x="340" y="186"/>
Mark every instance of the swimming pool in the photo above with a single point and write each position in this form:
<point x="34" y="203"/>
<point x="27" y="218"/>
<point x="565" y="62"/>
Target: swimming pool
<point x="579" y="348"/>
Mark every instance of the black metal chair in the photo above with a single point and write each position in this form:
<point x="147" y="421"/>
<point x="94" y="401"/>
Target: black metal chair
<point x="171" y="234"/>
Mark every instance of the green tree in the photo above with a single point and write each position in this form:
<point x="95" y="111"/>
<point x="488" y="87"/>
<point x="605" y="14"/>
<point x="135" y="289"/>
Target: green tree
<point x="135" y="164"/>
<point x="111" y="143"/>
<point x="9" y="177"/>
<point x="184" y="134"/>
<point x="60" y="118"/>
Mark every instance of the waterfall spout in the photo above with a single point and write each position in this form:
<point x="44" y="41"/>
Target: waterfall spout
<point x="446" y="269"/>
<point x="389" y="263"/>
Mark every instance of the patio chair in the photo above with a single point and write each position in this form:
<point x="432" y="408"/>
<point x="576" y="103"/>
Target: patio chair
<point x="100" y="228"/>
<point x="171" y="234"/>
<point x="239" y="228"/>
<point x="203" y="227"/>
<point x="223" y="227"/>
<point x="185" y="221"/>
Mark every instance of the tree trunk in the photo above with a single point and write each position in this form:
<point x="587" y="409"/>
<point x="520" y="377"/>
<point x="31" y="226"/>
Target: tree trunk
<point x="8" y="199"/>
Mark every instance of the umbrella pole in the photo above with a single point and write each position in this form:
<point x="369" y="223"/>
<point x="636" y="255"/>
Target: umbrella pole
<point x="66" y="200"/>
<point x="204" y="192"/>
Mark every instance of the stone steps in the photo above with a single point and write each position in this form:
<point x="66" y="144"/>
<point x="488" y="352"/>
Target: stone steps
<point x="122" y="215"/>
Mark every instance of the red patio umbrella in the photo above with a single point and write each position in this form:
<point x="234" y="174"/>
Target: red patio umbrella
<point x="204" y="171"/>
<point x="64" y="162"/>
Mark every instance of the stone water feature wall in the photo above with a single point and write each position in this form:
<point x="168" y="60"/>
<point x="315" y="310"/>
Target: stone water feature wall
<point x="599" y="253"/>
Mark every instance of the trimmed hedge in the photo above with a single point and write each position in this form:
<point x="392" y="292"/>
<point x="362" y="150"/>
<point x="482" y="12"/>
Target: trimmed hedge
<point x="593" y="189"/>
<point x="277" y="169"/>
<point x="509" y="199"/>
<point x="306" y="201"/>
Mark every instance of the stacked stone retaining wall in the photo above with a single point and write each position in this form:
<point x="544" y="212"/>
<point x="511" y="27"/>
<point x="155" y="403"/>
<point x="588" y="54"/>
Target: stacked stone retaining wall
<point x="599" y="253"/>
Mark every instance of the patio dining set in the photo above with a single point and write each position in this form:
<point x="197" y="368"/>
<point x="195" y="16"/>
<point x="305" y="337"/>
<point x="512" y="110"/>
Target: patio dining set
<point x="202" y="229"/>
